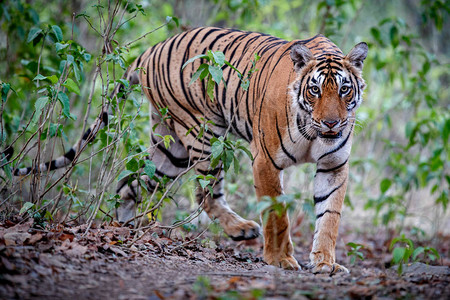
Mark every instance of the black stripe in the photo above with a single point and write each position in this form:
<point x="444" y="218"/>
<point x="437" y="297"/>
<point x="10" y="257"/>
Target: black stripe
<point x="332" y="169"/>
<point x="16" y="171"/>
<point x="161" y="174"/>
<point x="175" y="161"/>
<point x="323" y="198"/>
<point x="209" y="172"/>
<point x="51" y="165"/>
<point x="8" y="152"/>
<point x="105" y="118"/>
<point x="123" y="182"/>
<point x="183" y="36"/>
<point x="86" y="135"/>
<point x="249" y="132"/>
<point x="211" y="30"/>
<point x="281" y="142"/>
<point x="215" y="196"/>
<point x="263" y="144"/>
<point x="70" y="155"/>
<point x="326" y="212"/>
<point x="134" y="194"/>
<point x="280" y="232"/>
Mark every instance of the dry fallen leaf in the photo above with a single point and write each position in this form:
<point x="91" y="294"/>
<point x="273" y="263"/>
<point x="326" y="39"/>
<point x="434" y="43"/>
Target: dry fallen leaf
<point x="15" y="238"/>
<point x="35" y="238"/>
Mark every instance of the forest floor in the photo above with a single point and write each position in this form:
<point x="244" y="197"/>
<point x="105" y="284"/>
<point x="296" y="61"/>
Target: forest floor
<point x="108" y="262"/>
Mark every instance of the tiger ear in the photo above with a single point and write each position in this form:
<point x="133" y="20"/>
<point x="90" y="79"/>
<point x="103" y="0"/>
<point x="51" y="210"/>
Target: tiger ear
<point x="357" y="55"/>
<point x="300" y="55"/>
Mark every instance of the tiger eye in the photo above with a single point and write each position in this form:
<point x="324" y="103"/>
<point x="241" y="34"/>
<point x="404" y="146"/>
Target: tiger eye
<point x="344" y="89"/>
<point x="315" y="89"/>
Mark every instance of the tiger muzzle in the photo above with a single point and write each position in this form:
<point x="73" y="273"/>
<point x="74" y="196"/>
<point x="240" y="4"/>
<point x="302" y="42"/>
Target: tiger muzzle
<point x="330" y="129"/>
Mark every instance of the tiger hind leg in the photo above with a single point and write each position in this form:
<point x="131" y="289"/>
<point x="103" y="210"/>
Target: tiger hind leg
<point x="215" y="205"/>
<point x="169" y="162"/>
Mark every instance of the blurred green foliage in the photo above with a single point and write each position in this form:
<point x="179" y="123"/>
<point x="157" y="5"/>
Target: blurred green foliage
<point x="50" y="50"/>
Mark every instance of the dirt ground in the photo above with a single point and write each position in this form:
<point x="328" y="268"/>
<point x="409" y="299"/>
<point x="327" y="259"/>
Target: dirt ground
<point x="112" y="263"/>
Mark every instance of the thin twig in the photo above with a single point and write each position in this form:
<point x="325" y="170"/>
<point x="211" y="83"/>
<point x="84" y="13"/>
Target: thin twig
<point x="190" y="241"/>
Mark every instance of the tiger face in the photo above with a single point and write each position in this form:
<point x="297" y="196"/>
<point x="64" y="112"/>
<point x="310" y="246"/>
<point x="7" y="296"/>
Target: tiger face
<point x="329" y="88"/>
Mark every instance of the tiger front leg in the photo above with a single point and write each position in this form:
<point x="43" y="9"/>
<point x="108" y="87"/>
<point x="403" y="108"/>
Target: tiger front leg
<point x="278" y="249"/>
<point x="330" y="185"/>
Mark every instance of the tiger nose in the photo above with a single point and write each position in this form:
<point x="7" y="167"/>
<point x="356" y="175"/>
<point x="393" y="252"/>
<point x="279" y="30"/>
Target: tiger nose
<point x="330" y="124"/>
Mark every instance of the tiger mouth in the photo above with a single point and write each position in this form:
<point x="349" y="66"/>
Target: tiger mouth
<point x="330" y="134"/>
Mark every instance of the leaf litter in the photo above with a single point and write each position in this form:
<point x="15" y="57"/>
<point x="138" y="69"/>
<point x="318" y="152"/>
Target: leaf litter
<point x="105" y="261"/>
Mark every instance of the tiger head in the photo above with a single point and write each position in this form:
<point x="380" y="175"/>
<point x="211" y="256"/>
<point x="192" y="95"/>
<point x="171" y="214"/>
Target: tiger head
<point x="329" y="88"/>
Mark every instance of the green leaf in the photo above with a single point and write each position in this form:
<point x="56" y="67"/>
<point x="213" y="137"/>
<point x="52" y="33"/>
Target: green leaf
<point x="219" y="58"/>
<point x="194" y="58"/>
<point x="197" y="73"/>
<point x="26" y="206"/>
<point x="376" y="34"/>
<point x="228" y="159"/>
<point x="39" y="106"/>
<point x="167" y="139"/>
<point x="393" y="33"/>
<point x="58" y="33"/>
<point x="124" y="174"/>
<point x="205" y="73"/>
<point x="72" y="86"/>
<point x="434" y="253"/>
<point x="246" y="151"/>
<point x="210" y="90"/>
<point x="216" y="73"/>
<point x="352" y="245"/>
<point x="87" y="57"/>
<point x="234" y="68"/>
<point x="211" y="191"/>
<point x="149" y="168"/>
<point x="76" y="71"/>
<point x="7" y="169"/>
<point x="34" y="33"/>
<point x="398" y="254"/>
<point x="132" y="165"/>
<point x="216" y="149"/>
<point x="236" y="165"/>
<point x="39" y="77"/>
<point x="203" y="183"/>
<point x="417" y="252"/>
<point x="65" y="103"/>
<point x="5" y="90"/>
<point x="174" y="19"/>
<point x="124" y="82"/>
<point x="60" y="46"/>
<point x="53" y="129"/>
<point x="53" y="79"/>
<point x="385" y="184"/>
<point x="245" y="84"/>
<point x="262" y="206"/>
<point x="70" y="59"/>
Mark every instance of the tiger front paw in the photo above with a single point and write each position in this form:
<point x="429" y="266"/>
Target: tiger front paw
<point x="242" y="230"/>
<point x="287" y="262"/>
<point x="323" y="263"/>
<point x="325" y="268"/>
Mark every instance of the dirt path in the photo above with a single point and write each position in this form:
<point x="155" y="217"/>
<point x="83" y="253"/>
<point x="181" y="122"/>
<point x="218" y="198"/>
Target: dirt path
<point x="66" y="264"/>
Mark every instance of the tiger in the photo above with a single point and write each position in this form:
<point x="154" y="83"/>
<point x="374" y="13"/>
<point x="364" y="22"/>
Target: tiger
<point x="299" y="108"/>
